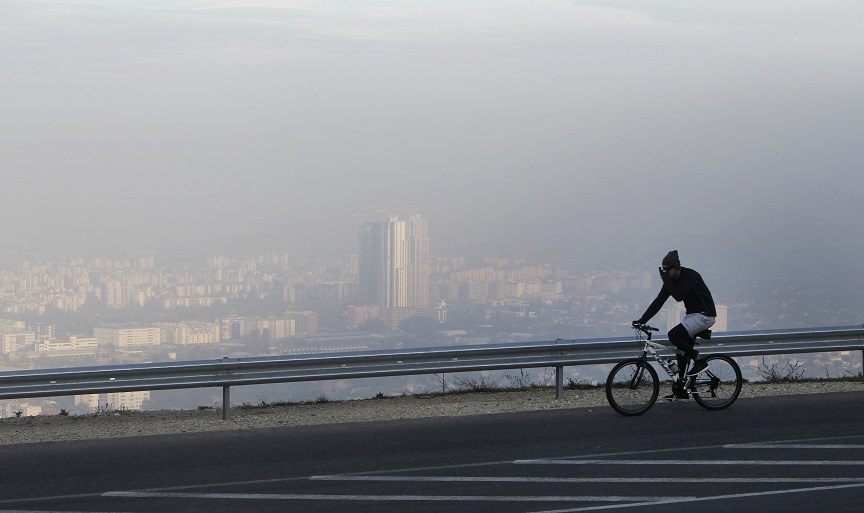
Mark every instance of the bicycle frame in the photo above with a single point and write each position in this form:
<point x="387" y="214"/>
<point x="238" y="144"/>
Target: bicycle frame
<point x="649" y="350"/>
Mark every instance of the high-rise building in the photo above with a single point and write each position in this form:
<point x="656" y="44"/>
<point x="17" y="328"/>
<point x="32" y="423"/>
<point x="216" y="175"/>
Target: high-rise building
<point x="419" y="264"/>
<point x="394" y="262"/>
<point x="115" y="292"/>
<point x="371" y="262"/>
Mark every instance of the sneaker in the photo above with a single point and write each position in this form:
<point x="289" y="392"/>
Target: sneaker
<point x="678" y="396"/>
<point x="698" y="368"/>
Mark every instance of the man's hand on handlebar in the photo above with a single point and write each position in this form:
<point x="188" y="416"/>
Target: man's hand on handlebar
<point x="643" y="327"/>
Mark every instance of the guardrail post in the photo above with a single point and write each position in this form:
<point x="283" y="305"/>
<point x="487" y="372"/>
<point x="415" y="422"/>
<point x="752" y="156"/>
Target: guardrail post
<point x="559" y="382"/>
<point x="226" y="403"/>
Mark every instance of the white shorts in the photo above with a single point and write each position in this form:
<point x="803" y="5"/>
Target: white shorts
<point x="697" y="323"/>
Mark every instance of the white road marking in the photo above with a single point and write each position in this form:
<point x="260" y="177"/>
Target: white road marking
<point x="781" y="445"/>
<point x="820" y="439"/>
<point x="464" y="479"/>
<point x="46" y="498"/>
<point x="407" y="498"/>
<point x="622" y="501"/>
<point x="687" y="462"/>
<point x="678" y="500"/>
<point x="40" y="511"/>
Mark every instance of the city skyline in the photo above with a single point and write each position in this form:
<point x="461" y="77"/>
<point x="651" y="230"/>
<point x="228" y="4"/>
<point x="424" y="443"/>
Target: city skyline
<point x="492" y="300"/>
<point x="70" y="285"/>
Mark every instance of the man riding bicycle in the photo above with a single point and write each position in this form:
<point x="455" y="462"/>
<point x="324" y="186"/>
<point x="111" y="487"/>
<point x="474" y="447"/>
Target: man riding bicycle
<point x="686" y="285"/>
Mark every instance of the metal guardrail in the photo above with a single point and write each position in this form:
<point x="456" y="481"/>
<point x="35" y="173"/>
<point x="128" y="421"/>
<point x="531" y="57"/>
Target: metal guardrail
<point x="229" y="372"/>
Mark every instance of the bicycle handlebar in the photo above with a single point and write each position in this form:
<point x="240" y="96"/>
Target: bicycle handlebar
<point x="644" y="328"/>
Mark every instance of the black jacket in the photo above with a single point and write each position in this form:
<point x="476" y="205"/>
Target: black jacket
<point x="690" y="288"/>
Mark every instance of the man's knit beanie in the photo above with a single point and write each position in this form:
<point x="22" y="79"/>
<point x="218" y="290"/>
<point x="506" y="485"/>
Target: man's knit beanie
<point x="671" y="259"/>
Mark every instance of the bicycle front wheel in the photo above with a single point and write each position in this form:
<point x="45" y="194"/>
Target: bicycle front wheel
<point x="632" y="387"/>
<point x="719" y="386"/>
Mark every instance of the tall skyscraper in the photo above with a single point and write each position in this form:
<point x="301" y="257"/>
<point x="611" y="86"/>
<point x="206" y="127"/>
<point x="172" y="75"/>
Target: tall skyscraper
<point x="371" y="262"/>
<point x="418" y="262"/>
<point x="394" y="262"/>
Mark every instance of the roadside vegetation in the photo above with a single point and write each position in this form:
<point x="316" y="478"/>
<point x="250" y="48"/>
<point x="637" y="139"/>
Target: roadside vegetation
<point x="795" y="371"/>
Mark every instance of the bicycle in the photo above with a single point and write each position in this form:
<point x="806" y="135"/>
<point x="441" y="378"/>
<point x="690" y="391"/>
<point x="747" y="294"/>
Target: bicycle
<point x="633" y="385"/>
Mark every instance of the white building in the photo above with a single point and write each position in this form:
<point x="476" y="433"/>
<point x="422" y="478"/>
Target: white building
<point x="128" y="337"/>
<point x="113" y="401"/>
<point x="74" y="343"/>
<point x="20" y="341"/>
<point x="190" y="333"/>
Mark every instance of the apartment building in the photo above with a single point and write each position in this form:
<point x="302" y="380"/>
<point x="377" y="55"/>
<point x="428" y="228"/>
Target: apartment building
<point x="190" y="333"/>
<point x="73" y="344"/>
<point x="128" y="336"/>
<point x="14" y="342"/>
<point x="113" y="401"/>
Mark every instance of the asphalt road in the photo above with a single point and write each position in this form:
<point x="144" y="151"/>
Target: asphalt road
<point x="786" y="454"/>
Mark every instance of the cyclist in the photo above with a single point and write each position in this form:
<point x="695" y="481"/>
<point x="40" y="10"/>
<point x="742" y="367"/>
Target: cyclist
<point x="686" y="285"/>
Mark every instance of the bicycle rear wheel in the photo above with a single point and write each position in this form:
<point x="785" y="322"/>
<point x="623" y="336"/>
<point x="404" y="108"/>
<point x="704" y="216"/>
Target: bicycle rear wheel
<point x="632" y="387"/>
<point x="719" y="386"/>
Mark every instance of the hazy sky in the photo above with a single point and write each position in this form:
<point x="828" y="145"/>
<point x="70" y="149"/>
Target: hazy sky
<point x="598" y="132"/>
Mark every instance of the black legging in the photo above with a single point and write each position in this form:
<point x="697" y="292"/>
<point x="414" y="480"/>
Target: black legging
<point x="683" y="341"/>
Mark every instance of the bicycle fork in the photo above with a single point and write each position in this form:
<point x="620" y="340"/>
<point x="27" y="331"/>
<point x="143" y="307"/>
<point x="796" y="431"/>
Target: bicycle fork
<point x="637" y="376"/>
